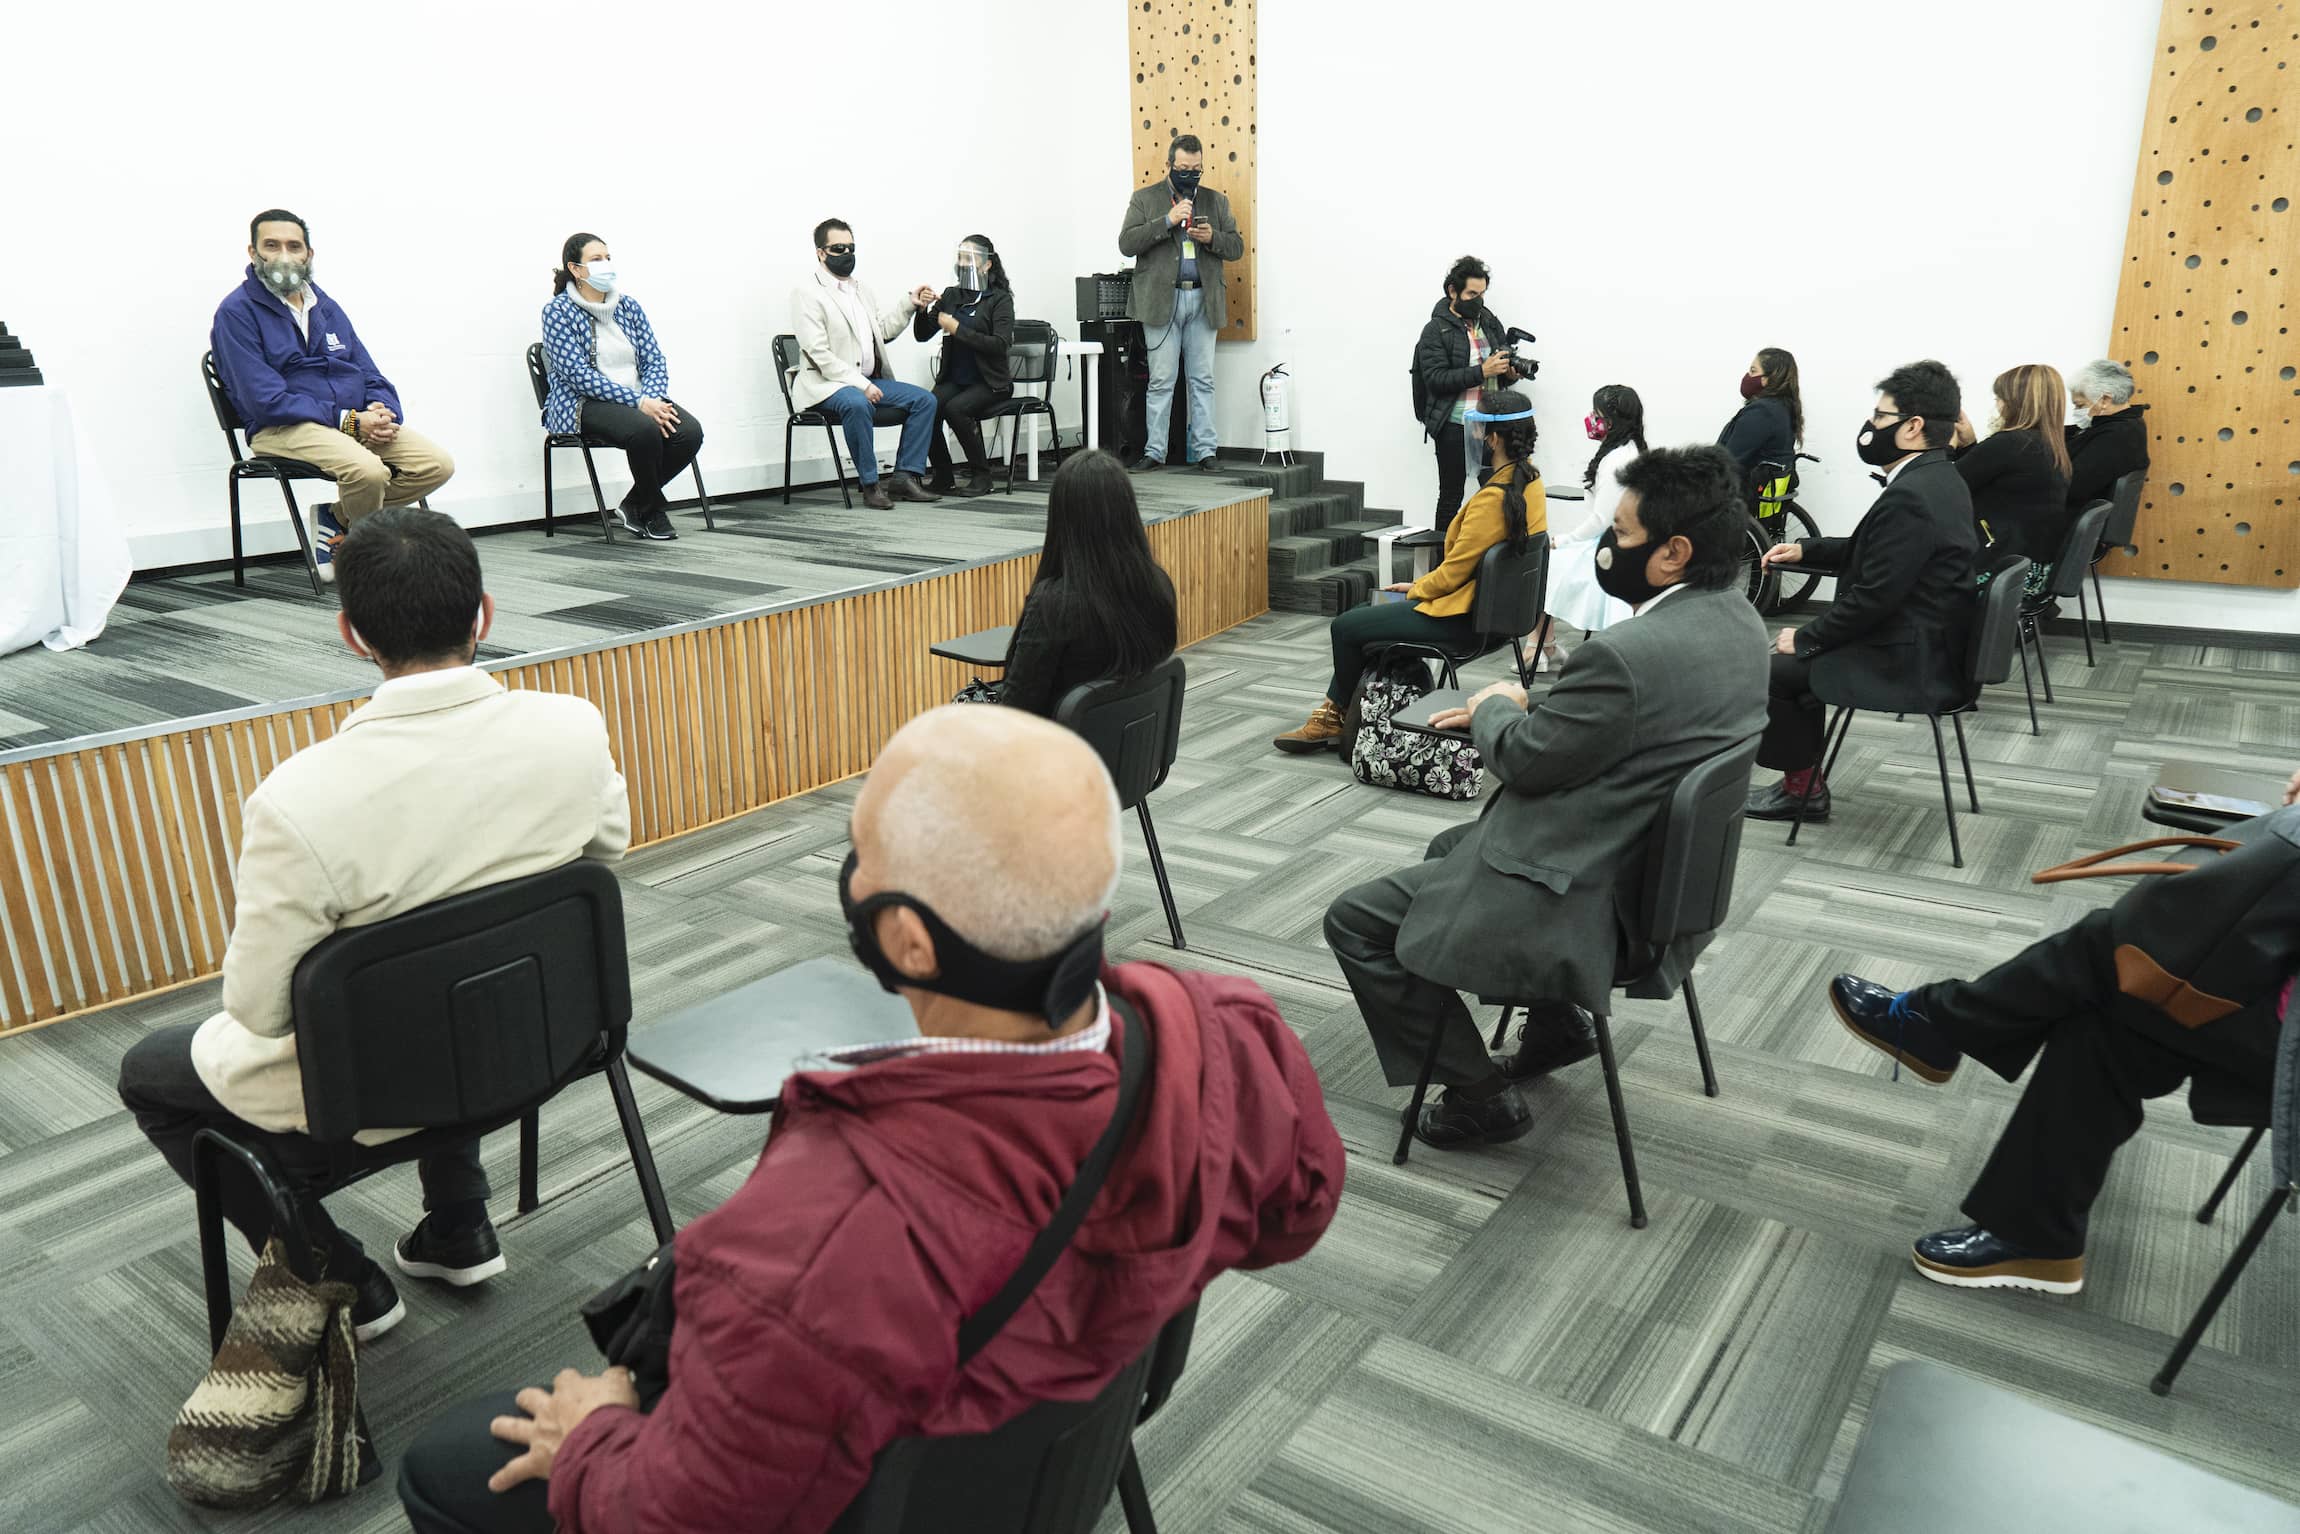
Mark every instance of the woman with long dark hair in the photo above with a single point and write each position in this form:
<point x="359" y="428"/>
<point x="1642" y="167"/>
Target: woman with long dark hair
<point x="1770" y="424"/>
<point x="1435" y="609"/>
<point x="1100" y="606"/>
<point x="1616" y="423"/>
<point x="976" y="318"/>
<point x="609" y="379"/>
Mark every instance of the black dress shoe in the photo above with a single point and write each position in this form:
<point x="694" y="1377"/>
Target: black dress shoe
<point x="1207" y="465"/>
<point x="980" y="483"/>
<point x="941" y="484"/>
<point x="1777" y="803"/>
<point x="905" y="487"/>
<point x="1546" y="1044"/>
<point x="1453" y="1122"/>
<point x="1146" y="465"/>
<point x="1886" y="1021"/>
<point x="377" y="1307"/>
<point x="461" y="1258"/>
<point x="1970" y="1258"/>
<point x="876" y="498"/>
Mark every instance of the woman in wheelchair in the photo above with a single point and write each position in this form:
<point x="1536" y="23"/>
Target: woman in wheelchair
<point x="1770" y="425"/>
<point x="1435" y="610"/>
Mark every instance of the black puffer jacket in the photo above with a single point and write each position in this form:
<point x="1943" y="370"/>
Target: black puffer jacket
<point x="1441" y="363"/>
<point x="2104" y="452"/>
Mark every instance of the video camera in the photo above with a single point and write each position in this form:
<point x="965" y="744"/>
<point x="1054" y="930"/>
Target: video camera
<point x="1525" y="366"/>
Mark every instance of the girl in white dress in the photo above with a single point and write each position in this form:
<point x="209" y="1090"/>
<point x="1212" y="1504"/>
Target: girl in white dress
<point x="1616" y="423"/>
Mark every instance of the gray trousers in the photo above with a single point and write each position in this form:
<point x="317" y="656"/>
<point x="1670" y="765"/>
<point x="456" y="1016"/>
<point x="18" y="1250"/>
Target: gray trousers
<point x="1400" y="1008"/>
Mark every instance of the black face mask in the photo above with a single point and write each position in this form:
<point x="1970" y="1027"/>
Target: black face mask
<point x="1875" y="446"/>
<point x="1621" y="572"/>
<point x="840" y="266"/>
<point x="1054" y="987"/>
<point x="1469" y="306"/>
<point x="1185" y="182"/>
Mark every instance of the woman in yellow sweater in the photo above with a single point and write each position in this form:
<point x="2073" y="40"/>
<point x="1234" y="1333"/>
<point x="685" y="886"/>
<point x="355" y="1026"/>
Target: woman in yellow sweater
<point x="1509" y="506"/>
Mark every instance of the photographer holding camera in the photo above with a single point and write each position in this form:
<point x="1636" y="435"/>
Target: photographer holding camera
<point x="1463" y="350"/>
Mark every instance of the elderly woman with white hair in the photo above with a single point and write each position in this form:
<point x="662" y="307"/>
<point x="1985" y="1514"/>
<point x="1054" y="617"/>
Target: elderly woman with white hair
<point x="2110" y="439"/>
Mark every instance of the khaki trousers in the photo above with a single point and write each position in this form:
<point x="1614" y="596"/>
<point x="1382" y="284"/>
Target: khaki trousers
<point x="404" y="470"/>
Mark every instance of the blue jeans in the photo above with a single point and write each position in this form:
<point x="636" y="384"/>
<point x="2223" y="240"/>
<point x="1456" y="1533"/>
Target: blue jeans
<point x="856" y="417"/>
<point x="1188" y="345"/>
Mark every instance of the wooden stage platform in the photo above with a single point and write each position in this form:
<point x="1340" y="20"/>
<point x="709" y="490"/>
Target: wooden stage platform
<point x="734" y="668"/>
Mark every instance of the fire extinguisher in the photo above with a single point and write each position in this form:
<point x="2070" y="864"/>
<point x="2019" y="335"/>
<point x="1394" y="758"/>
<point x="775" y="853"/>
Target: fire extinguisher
<point x="1277" y="419"/>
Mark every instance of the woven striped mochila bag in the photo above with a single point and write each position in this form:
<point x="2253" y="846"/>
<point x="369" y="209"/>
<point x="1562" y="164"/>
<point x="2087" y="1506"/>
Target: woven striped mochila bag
<point x="277" y="1414"/>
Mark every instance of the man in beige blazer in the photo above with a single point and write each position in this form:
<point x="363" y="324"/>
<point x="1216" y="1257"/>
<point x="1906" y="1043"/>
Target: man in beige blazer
<point x="844" y="371"/>
<point x="443" y="782"/>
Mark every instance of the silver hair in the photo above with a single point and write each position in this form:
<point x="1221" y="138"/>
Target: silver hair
<point x="2111" y="381"/>
<point x="1011" y="894"/>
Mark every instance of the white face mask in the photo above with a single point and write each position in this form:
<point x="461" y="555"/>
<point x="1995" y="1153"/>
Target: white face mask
<point x="600" y="275"/>
<point x="2083" y="415"/>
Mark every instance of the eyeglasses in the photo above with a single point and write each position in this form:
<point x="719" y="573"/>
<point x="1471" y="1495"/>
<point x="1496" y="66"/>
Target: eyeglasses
<point x="1880" y="417"/>
<point x="840" y="250"/>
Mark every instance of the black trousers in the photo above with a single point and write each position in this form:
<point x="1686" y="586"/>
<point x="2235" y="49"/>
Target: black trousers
<point x="443" y="1476"/>
<point x="2099" y="1055"/>
<point x="1453" y="472"/>
<point x="959" y="406"/>
<point x="656" y="460"/>
<point x="171" y="1104"/>
<point x="1795" y="721"/>
<point x="1383" y="623"/>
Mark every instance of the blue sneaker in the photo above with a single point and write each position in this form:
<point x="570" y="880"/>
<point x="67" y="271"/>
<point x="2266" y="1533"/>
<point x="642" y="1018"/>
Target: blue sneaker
<point x="327" y="532"/>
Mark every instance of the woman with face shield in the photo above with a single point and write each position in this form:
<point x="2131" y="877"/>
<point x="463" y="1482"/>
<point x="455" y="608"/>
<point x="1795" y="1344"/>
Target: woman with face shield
<point x="976" y="317"/>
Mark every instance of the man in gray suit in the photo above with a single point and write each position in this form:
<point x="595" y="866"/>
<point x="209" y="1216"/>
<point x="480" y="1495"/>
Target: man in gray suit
<point x="1537" y="897"/>
<point x="1178" y="234"/>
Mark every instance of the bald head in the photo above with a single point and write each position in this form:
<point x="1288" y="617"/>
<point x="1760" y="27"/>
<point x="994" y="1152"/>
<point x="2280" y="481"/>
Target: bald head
<point x="1006" y="824"/>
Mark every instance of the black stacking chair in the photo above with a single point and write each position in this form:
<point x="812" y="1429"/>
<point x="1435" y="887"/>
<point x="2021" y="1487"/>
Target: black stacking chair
<point x="1512" y="590"/>
<point x="2125" y="497"/>
<point x="786" y="368"/>
<point x="1031" y="355"/>
<point x="1049" y="1471"/>
<point x="2068" y="574"/>
<point x="1988" y="660"/>
<point x="453" y="1019"/>
<point x="2226" y="1101"/>
<point x="1689" y="863"/>
<point x="1136" y="728"/>
<point x="540" y="376"/>
<point x="253" y="465"/>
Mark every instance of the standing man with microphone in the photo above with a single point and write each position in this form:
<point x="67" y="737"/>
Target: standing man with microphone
<point x="1178" y="234"/>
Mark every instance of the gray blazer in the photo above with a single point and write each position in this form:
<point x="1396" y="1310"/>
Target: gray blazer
<point x="1537" y="897"/>
<point x="1155" y="247"/>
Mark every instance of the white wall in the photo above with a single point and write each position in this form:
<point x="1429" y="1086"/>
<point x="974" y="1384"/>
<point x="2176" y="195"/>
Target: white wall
<point x="1673" y="185"/>
<point x="441" y="152"/>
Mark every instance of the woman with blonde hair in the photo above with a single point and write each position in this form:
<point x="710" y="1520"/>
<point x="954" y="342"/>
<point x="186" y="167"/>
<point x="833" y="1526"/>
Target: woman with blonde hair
<point x="2018" y="474"/>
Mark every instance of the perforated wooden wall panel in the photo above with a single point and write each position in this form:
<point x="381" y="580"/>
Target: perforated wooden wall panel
<point x="2201" y="315"/>
<point x="1192" y="63"/>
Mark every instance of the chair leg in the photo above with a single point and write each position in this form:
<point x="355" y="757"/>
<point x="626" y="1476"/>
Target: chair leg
<point x="642" y="1158"/>
<point x="2228" y="1178"/>
<point x="2100" y="602"/>
<point x="1133" y="1497"/>
<point x="1620" y="1122"/>
<point x="1700" y="1039"/>
<point x="2043" y="668"/>
<point x="215" y="1267"/>
<point x="787" y="428"/>
<point x="303" y="538"/>
<point x="549" y="510"/>
<point x="838" y="468"/>
<point x="2084" y="624"/>
<point x="1829" y="764"/>
<point x="2020" y="647"/>
<point x="1835" y="727"/>
<point x="710" y="523"/>
<point x="1517" y="653"/>
<point x="1501" y="1027"/>
<point x="2229" y="1273"/>
<point x="1972" y="793"/>
<point x="598" y="496"/>
<point x="1158" y="867"/>
<point x="1421" y="1091"/>
<point x="239" y="560"/>
<point x="1948" y="798"/>
<point x="530" y="1196"/>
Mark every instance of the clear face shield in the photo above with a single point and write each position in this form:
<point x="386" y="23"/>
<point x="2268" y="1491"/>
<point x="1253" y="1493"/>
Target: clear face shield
<point x="972" y="266"/>
<point x="1475" y="423"/>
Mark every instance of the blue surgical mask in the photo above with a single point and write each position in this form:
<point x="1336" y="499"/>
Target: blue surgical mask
<point x="601" y="276"/>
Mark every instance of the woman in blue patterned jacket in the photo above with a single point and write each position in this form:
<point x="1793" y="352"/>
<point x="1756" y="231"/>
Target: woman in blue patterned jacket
<point x="609" y="380"/>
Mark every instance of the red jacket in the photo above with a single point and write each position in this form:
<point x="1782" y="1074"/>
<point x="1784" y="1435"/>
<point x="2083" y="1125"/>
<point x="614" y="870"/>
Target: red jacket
<point x="818" y="1308"/>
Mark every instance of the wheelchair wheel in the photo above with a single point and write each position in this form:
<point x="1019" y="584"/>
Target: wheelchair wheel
<point x="1781" y="589"/>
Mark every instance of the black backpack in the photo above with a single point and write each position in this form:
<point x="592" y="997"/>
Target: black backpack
<point x="1421" y="390"/>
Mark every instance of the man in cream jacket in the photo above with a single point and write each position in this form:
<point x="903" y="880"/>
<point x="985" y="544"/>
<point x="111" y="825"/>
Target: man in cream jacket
<point x="844" y="372"/>
<point x="443" y="782"/>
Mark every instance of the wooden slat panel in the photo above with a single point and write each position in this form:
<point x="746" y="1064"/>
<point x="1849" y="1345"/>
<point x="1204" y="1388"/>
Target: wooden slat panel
<point x="2200" y="308"/>
<point x="147" y="916"/>
<point x="20" y="892"/>
<point x="97" y="871"/>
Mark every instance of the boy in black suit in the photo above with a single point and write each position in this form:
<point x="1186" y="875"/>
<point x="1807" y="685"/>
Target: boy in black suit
<point x="1894" y="638"/>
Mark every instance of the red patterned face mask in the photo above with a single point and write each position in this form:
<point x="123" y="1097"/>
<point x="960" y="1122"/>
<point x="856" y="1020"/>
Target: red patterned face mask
<point x="1593" y="426"/>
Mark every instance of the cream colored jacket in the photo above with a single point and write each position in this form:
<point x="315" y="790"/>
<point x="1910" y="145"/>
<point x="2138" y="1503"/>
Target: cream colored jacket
<point x="832" y="354"/>
<point x="441" y="783"/>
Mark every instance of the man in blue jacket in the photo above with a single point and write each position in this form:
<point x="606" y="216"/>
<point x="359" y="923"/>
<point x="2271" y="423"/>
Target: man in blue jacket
<point x="306" y="388"/>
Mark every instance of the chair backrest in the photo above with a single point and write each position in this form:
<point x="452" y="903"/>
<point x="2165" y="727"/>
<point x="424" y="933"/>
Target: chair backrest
<point x="1512" y="589"/>
<point x="538" y="374"/>
<point x="227" y="417"/>
<point x="1996" y="626"/>
<point x="1695" y="848"/>
<point x="1135" y="727"/>
<point x="2084" y="536"/>
<point x="1049" y="1471"/>
<point x="466" y="1011"/>
<point x="2124" y="495"/>
<point x="1031" y="353"/>
<point x="787" y="359"/>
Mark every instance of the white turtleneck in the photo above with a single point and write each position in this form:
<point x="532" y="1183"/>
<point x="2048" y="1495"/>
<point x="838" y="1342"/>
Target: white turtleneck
<point x="611" y="351"/>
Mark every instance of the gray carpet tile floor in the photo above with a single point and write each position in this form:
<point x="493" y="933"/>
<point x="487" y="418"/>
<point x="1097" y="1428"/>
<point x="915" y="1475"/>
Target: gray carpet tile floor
<point x="1481" y="1342"/>
<point x="184" y="645"/>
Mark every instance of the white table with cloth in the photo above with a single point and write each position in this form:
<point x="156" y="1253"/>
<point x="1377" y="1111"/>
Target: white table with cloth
<point x="63" y="559"/>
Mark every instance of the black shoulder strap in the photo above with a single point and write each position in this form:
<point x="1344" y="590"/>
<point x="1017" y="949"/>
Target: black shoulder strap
<point x="1138" y="1054"/>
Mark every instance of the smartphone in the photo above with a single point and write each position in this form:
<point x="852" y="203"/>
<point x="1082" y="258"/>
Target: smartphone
<point x="1384" y="598"/>
<point x="2212" y="804"/>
